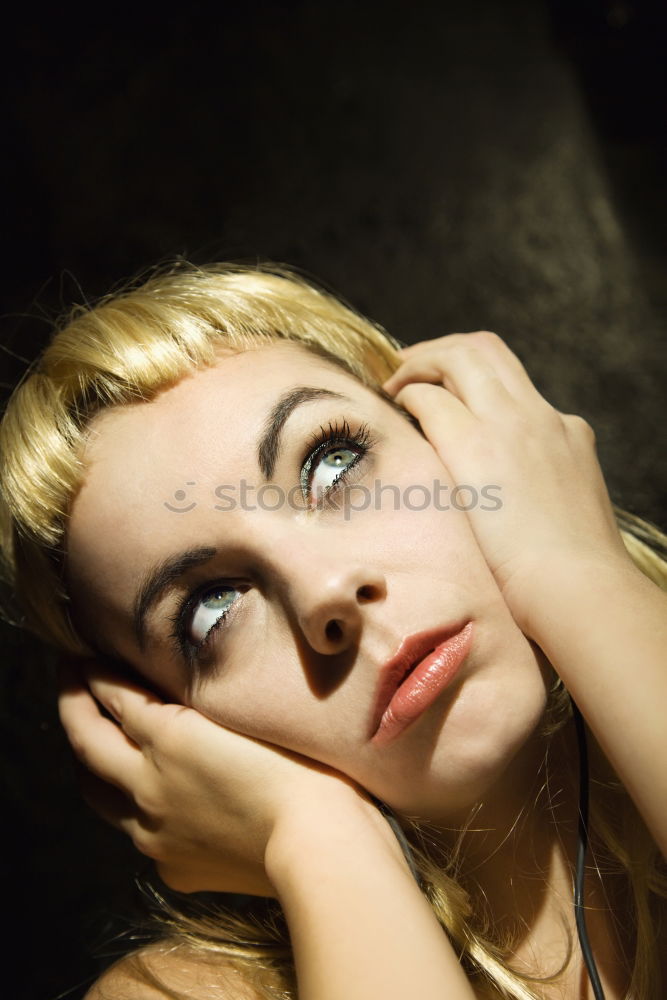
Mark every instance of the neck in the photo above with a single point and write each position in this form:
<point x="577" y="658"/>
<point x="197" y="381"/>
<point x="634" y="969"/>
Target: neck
<point x="516" y="860"/>
<point x="517" y="849"/>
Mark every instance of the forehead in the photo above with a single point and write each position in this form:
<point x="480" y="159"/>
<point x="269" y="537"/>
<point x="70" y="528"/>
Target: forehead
<point x="228" y="400"/>
<point x="144" y="458"/>
<point x="233" y="395"/>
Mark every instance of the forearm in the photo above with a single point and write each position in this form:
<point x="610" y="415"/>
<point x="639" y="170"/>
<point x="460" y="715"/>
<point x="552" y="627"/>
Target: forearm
<point x="604" y="629"/>
<point x="359" y="925"/>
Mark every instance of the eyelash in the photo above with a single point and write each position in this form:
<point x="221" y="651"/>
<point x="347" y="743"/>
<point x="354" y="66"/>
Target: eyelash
<point x="329" y="438"/>
<point x="334" y="435"/>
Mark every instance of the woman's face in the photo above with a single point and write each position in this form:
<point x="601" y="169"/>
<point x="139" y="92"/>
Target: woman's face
<point x="309" y="600"/>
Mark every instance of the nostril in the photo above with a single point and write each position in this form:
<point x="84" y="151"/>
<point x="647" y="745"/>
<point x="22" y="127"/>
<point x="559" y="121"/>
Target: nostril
<point x="366" y="593"/>
<point x="334" y="632"/>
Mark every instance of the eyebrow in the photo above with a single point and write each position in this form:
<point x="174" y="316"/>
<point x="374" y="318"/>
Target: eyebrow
<point x="172" y="569"/>
<point x="268" y="448"/>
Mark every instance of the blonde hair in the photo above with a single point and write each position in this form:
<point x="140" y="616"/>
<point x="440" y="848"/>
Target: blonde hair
<point x="128" y="347"/>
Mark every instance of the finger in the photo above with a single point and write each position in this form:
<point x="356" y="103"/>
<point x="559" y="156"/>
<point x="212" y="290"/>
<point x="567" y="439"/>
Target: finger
<point x="441" y="415"/>
<point x="134" y="708"/>
<point x="409" y="349"/>
<point x="488" y="346"/>
<point x="100" y="744"/>
<point x="463" y="371"/>
<point x="108" y="801"/>
<point x="509" y="367"/>
<point x="119" y="811"/>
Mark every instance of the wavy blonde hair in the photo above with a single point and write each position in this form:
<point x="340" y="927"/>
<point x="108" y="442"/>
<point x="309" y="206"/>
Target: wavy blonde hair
<point x="126" y="348"/>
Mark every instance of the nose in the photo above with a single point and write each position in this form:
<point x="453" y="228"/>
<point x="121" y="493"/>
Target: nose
<point x="330" y="604"/>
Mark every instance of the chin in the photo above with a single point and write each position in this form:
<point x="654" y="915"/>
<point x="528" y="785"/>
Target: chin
<point x="494" y="764"/>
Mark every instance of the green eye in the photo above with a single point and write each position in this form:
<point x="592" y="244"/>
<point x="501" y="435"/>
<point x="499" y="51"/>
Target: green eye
<point x="330" y="457"/>
<point x="209" y="609"/>
<point x="327" y="470"/>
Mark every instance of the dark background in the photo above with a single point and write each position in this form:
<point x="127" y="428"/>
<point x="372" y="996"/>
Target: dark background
<point x="445" y="166"/>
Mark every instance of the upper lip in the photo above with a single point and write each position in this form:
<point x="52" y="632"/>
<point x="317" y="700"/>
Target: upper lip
<point x="411" y="651"/>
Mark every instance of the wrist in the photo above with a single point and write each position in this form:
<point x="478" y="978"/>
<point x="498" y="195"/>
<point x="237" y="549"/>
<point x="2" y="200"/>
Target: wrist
<point x="563" y="585"/>
<point x="338" y="834"/>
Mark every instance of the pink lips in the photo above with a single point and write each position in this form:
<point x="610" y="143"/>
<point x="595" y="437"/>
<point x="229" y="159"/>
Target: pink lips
<point x="410" y="682"/>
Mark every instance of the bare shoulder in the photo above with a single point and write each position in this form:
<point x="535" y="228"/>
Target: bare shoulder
<point x="171" y="971"/>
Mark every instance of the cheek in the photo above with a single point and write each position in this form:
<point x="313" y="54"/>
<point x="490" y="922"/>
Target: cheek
<point x="499" y="711"/>
<point x="416" y="495"/>
<point x="280" y="709"/>
<point x="434" y="548"/>
<point x="272" y="707"/>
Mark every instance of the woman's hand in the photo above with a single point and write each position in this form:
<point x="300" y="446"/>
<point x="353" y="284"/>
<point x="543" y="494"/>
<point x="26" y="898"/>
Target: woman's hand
<point x="223" y="812"/>
<point x="553" y="546"/>
<point x="201" y="800"/>
<point x="491" y="427"/>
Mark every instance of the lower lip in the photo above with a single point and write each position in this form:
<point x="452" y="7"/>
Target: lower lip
<point x="422" y="687"/>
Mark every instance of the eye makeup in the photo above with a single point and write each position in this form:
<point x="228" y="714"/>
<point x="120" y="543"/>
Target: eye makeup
<point x="335" y="440"/>
<point x="179" y="634"/>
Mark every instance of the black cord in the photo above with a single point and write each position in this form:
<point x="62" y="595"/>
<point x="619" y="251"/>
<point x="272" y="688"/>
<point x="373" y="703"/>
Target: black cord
<point x="582" y="847"/>
<point x="400" y="837"/>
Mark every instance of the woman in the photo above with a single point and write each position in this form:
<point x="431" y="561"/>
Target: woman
<point x="370" y="576"/>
